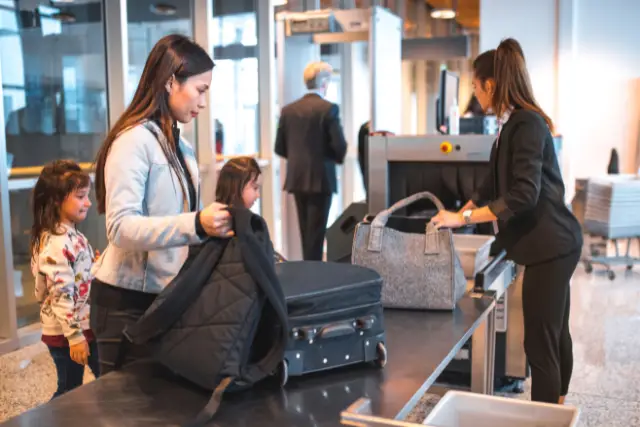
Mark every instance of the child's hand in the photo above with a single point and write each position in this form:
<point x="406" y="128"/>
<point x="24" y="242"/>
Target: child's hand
<point x="80" y="353"/>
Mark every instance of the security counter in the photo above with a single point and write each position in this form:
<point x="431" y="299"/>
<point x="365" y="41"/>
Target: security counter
<point x="420" y="345"/>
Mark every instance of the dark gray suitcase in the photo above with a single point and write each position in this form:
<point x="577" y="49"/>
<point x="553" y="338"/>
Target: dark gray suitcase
<point x="335" y="316"/>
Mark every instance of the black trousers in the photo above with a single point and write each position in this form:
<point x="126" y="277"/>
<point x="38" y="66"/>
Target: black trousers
<point x="112" y="309"/>
<point x="547" y="341"/>
<point x="313" y="213"/>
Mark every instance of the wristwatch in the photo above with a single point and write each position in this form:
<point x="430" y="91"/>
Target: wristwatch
<point x="466" y="215"/>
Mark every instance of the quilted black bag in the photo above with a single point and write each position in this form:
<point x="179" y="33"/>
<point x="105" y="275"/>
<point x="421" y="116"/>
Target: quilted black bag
<point x="222" y="322"/>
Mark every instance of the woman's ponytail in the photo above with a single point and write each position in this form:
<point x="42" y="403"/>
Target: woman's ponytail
<point x="512" y="83"/>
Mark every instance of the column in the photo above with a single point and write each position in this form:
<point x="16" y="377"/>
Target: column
<point x="423" y="107"/>
<point x="117" y="51"/>
<point x="205" y="133"/>
<point x="8" y="322"/>
<point x="270" y="196"/>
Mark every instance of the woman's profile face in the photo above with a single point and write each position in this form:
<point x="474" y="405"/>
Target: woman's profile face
<point x="483" y="94"/>
<point x="186" y="99"/>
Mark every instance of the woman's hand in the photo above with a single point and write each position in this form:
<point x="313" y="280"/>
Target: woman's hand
<point x="216" y="220"/>
<point x="446" y="219"/>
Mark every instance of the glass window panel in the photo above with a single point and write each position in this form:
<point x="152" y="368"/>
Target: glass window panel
<point x="145" y="28"/>
<point x="8" y="21"/>
<point x="235" y="83"/>
<point x="44" y="120"/>
<point x="9" y="45"/>
<point x="54" y="98"/>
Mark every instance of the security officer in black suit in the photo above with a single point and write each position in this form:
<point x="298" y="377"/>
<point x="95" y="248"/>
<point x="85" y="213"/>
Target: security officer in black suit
<point x="310" y="137"/>
<point x="524" y="193"/>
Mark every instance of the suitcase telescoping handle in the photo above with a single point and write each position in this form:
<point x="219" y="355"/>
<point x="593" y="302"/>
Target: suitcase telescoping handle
<point x="380" y="221"/>
<point x="336" y="329"/>
<point x="332" y="330"/>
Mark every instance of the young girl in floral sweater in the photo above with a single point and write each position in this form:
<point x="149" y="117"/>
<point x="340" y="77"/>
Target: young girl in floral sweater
<point x="61" y="264"/>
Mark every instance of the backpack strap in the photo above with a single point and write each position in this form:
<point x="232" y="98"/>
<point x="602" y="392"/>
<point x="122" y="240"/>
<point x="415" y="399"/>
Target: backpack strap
<point x="212" y="406"/>
<point x="259" y="262"/>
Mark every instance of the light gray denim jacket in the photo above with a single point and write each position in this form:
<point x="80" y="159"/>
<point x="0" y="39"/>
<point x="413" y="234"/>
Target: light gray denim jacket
<point x="149" y="226"/>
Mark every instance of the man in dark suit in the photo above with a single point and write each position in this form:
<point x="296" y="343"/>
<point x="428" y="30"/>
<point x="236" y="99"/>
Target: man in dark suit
<point x="310" y="137"/>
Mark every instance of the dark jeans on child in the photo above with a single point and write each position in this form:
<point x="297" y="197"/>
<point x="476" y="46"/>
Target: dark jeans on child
<point x="70" y="374"/>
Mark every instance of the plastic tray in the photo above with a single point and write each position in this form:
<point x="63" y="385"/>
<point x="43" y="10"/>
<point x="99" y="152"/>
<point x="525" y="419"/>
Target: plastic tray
<point x="473" y="251"/>
<point x="463" y="409"/>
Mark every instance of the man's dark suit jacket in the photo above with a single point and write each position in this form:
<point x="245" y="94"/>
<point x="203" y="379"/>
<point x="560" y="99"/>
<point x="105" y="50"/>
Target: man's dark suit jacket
<point x="526" y="193"/>
<point x="310" y="137"/>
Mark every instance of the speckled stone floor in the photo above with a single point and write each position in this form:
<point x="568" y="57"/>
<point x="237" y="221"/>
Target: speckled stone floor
<point x="605" y="321"/>
<point x="27" y="379"/>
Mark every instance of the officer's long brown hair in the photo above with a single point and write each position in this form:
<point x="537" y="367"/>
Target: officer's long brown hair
<point x="506" y="66"/>
<point x="172" y="56"/>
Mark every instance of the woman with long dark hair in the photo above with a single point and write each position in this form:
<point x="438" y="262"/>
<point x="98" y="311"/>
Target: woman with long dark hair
<point x="524" y="193"/>
<point x="147" y="184"/>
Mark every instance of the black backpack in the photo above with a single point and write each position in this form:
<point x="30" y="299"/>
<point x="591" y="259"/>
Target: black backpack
<point x="222" y="322"/>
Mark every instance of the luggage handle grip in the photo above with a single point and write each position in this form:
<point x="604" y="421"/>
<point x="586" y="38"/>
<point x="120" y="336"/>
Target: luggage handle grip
<point x="336" y="330"/>
<point x="431" y="244"/>
<point x="381" y="218"/>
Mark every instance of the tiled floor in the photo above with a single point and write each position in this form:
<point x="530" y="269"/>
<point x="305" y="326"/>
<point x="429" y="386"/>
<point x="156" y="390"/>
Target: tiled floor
<point x="605" y="322"/>
<point x="605" y="325"/>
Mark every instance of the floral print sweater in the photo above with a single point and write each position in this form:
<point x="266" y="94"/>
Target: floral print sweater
<point x="62" y="270"/>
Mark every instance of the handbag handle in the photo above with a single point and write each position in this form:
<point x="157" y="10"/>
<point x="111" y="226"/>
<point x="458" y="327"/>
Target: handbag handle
<point x="380" y="221"/>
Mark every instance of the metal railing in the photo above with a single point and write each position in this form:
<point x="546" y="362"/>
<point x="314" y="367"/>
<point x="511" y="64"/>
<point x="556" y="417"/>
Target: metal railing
<point x="27" y="171"/>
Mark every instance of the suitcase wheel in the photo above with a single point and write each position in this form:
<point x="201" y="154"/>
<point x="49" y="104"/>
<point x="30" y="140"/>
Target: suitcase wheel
<point x="283" y="372"/>
<point x="382" y="355"/>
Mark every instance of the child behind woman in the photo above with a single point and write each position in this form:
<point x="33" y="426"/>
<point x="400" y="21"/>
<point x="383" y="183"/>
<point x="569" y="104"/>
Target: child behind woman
<point x="61" y="264"/>
<point x="239" y="184"/>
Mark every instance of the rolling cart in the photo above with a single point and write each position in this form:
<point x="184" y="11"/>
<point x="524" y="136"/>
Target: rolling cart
<point x="610" y="215"/>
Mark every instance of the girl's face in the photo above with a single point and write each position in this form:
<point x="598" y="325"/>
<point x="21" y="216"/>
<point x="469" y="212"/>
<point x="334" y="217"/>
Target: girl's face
<point x="75" y="207"/>
<point x="251" y="192"/>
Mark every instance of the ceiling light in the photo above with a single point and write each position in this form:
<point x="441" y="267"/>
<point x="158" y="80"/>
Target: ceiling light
<point x="163" y="9"/>
<point x="443" y="13"/>
<point x="64" y="17"/>
<point x="279" y="2"/>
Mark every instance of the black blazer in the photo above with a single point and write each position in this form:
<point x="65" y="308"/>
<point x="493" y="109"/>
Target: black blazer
<point x="363" y="146"/>
<point x="525" y="191"/>
<point x="310" y="137"/>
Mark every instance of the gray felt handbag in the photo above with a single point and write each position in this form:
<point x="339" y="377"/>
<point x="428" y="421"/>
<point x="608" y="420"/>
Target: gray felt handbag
<point x="420" y="271"/>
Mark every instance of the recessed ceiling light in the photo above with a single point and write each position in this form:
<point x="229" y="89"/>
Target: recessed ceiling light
<point x="279" y="2"/>
<point x="443" y="13"/>
<point x="163" y="9"/>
